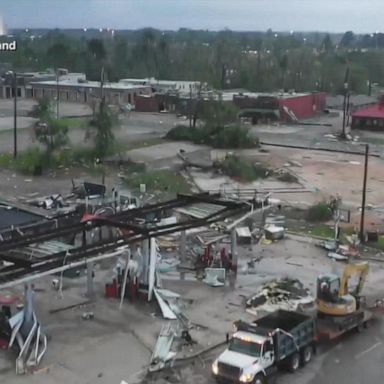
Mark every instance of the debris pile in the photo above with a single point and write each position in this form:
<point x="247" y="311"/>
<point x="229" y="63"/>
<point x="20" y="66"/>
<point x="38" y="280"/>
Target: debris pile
<point x="340" y="252"/>
<point x="287" y="294"/>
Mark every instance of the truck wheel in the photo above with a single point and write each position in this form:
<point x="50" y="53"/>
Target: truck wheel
<point x="294" y="363"/>
<point x="306" y="355"/>
<point x="359" y="328"/>
<point x="259" y="379"/>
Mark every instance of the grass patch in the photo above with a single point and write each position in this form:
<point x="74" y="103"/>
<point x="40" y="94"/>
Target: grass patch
<point x="325" y="231"/>
<point x="76" y="122"/>
<point x="372" y="140"/>
<point x="31" y="162"/>
<point x="159" y="180"/>
<point x="319" y="212"/>
<point x="231" y="136"/>
<point x="34" y="161"/>
<point x="380" y="243"/>
<point x="143" y="143"/>
<point x="235" y="167"/>
<point x="322" y="231"/>
<point x="6" y="160"/>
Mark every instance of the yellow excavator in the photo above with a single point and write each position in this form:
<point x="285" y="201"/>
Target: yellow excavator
<point x="334" y="298"/>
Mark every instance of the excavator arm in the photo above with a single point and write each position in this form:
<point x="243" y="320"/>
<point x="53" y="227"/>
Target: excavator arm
<point x="350" y="270"/>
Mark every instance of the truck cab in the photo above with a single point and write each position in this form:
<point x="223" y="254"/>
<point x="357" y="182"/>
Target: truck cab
<point x="247" y="358"/>
<point x="282" y="339"/>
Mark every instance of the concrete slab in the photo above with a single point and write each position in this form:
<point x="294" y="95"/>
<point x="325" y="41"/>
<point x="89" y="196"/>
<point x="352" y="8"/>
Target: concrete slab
<point x="6" y="123"/>
<point x="162" y="151"/>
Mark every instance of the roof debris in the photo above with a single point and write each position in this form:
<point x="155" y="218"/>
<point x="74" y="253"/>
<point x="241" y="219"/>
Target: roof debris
<point x="287" y="294"/>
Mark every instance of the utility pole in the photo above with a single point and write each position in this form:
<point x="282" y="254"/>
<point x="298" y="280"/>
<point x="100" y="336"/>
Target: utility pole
<point x="345" y="103"/>
<point x="14" y="115"/>
<point x="347" y="112"/>
<point x="190" y="105"/>
<point x="102" y="84"/>
<point x="362" y="237"/>
<point x="57" y="94"/>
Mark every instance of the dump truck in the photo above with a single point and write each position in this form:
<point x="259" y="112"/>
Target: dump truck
<point x="282" y="339"/>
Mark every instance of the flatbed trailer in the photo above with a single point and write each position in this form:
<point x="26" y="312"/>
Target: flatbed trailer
<point x="332" y="328"/>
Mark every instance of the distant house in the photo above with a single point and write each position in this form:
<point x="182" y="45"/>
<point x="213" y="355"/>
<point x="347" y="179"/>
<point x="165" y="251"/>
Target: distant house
<point x="370" y="118"/>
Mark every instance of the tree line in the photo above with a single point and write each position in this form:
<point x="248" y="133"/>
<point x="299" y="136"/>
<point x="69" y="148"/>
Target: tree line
<point x="255" y="61"/>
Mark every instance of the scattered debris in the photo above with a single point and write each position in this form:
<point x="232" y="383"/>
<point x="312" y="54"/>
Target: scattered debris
<point x="329" y="245"/>
<point x="162" y="354"/>
<point x="167" y="302"/>
<point x="250" y="267"/>
<point x="186" y="336"/>
<point x="215" y="277"/>
<point x="336" y="256"/>
<point x="272" y="232"/>
<point x="278" y="220"/>
<point x="166" y="265"/>
<point x="48" y="202"/>
<point x="287" y="294"/>
<point x="244" y="235"/>
<point x="27" y="332"/>
<point x="87" y="316"/>
<point x="81" y="304"/>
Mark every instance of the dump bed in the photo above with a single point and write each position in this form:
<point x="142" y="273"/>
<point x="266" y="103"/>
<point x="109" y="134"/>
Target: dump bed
<point x="291" y="331"/>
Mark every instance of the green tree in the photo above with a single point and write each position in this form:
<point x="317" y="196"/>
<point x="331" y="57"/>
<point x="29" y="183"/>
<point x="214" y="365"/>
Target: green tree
<point x="217" y="114"/>
<point x="51" y="133"/>
<point x="96" y="49"/>
<point x="348" y="39"/>
<point x="104" y="122"/>
<point x="326" y="44"/>
<point x="58" y="55"/>
<point x="43" y="110"/>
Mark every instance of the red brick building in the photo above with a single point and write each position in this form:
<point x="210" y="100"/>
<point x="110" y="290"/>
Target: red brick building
<point x="280" y="107"/>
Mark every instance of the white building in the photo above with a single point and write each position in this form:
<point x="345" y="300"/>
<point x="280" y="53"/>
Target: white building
<point x="164" y="86"/>
<point x="3" y="27"/>
<point x="84" y="91"/>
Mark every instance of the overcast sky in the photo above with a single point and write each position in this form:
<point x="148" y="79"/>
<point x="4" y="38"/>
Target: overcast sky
<point x="280" y="15"/>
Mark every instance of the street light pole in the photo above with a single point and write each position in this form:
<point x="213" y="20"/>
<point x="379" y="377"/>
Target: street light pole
<point x="362" y="237"/>
<point x="14" y="115"/>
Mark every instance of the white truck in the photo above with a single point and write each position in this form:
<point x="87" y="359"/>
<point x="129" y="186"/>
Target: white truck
<point x="281" y="339"/>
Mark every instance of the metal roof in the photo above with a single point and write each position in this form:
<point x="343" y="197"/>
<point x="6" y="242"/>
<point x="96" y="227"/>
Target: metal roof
<point x="90" y="84"/>
<point x="199" y="210"/>
<point x="375" y="112"/>
<point x="13" y="217"/>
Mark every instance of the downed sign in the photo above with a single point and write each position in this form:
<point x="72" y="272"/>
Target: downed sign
<point x="162" y="353"/>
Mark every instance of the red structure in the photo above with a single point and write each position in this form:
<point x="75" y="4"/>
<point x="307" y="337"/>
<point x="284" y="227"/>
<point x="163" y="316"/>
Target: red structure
<point x="146" y="104"/>
<point x="371" y="118"/>
<point x="286" y="107"/>
<point x="302" y="106"/>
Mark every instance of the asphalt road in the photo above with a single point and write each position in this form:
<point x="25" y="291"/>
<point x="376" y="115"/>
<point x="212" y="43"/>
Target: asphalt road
<point x="132" y="128"/>
<point x="318" y="136"/>
<point x="357" y="359"/>
<point x="353" y="359"/>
